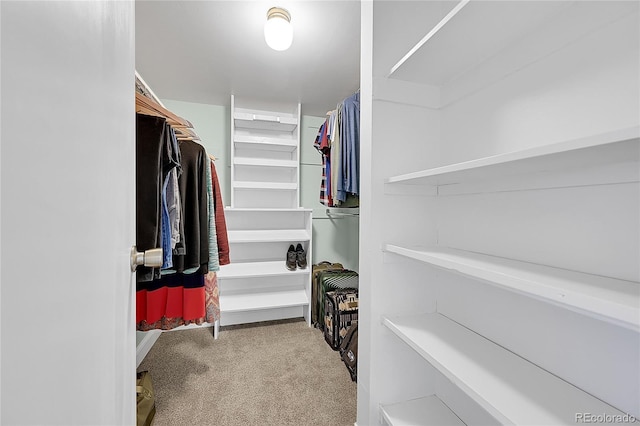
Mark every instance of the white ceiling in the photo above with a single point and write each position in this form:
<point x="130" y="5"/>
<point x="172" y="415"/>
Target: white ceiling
<point x="204" y="51"/>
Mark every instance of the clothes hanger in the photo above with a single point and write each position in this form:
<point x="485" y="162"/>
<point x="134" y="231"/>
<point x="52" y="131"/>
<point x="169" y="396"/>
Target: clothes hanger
<point x="150" y="106"/>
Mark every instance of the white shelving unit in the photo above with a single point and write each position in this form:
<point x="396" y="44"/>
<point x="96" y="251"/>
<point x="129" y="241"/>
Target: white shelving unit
<point x="265" y="157"/>
<point x="264" y="218"/>
<point x="256" y="285"/>
<point x="505" y="213"/>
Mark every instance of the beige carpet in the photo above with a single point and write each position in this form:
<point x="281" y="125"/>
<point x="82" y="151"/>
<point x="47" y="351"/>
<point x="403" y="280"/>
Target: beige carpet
<point x="278" y="373"/>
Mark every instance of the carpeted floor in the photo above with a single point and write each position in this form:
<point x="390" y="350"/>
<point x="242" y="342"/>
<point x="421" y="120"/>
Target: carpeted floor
<point x="276" y="373"/>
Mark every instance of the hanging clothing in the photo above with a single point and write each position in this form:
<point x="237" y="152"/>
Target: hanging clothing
<point x="176" y="210"/>
<point x="174" y="206"/>
<point x="193" y="193"/>
<point x="221" y="223"/>
<point x="350" y="149"/>
<point x="212" y="298"/>
<point x="155" y="158"/>
<point x="323" y="146"/>
<point x="336" y="155"/>
<point x="338" y="141"/>
<point x="214" y="263"/>
<point x="171" y="301"/>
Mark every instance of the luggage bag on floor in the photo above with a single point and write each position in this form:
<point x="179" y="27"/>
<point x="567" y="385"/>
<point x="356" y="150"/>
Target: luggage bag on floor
<point x="145" y="399"/>
<point x="316" y="320"/>
<point x="334" y="280"/>
<point x="341" y="309"/>
<point x="349" y="350"/>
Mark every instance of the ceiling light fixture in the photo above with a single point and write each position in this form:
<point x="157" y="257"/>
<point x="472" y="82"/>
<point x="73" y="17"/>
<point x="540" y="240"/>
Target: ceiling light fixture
<point x="278" y="32"/>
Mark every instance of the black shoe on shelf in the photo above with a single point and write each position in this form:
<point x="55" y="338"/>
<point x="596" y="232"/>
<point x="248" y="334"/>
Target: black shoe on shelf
<point x="291" y="258"/>
<point x="301" y="257"/>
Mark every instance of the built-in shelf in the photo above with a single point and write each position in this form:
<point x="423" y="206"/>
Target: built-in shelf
<point x="427" y="411"/>
<point x="609" y="299"/>
<point x="265" y="218"/>
<point x="261" y="209"/>
<point x="267" y="235"/>
<point x="449" y="49"/>
<point x="258" y="269"/>
<point x="433" y="60"/>
<point x="547" y="334"/>
<point x="508" y="387"/>
<point x="265" y="143"/>
<point x="262" y="120"/>
<point x="266" y="185"/>
<point x="264" y="162"/>
<point x="609" y="148"/>
<point x="266" y="300"/>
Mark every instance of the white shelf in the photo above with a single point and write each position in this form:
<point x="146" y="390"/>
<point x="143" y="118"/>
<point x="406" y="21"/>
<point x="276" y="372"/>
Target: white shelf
<point x="496" y="24"/>
<point x="260" y="209"/>
<point x="608" y="299"/>
<point x="609" y="148"/>
<point x="266" y="185"/>
<point x="266" y="143"/>
<point x="475" y="31"/>
<point x="258" y="269"/>
<point x="264" y="162"/>
<point x="265" y="300"/>
<point x="508" y="387"/>
<point x="267" y="236"/>
<point x="264" y="121"/>
<point x="427" y="411"/>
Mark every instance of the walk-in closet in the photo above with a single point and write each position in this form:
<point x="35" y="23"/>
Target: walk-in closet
<point x="421" y="212"/>
<point x="285" y="206"/>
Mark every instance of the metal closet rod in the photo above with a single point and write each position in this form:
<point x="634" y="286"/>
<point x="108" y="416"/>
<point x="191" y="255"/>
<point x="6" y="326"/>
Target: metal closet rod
<point x="342" y="212"/>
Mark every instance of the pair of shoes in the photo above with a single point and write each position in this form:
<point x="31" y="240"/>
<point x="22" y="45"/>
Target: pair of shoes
<point x="296" y="256"/>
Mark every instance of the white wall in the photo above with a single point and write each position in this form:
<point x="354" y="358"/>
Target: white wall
<point x="68" y="213"/>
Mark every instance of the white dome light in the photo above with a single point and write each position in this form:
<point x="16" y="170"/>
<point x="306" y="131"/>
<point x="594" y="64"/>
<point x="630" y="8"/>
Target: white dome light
<point x="278" y="32"/>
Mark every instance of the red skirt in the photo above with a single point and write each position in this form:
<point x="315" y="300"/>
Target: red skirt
<point x="177" y="299"/>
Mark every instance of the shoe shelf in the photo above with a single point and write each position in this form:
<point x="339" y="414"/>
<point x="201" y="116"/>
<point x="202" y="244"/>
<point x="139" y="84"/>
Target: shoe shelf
<point x="258" y="269"/>
<point x="614" y="147"/>
<point x="508" y="387"/>
<point x="427" y="411"/>
<point x="609" y="299"/>
<point x="263" y="300"/>
<point x="256" y="285"/>
<point x="268" y="235"/>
